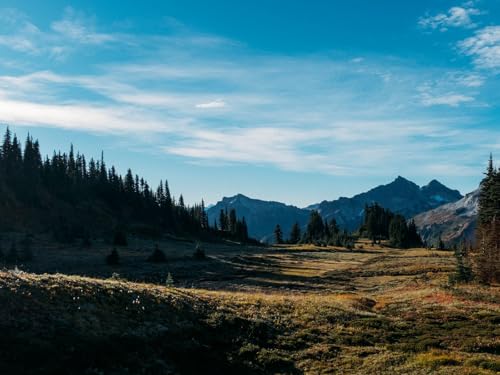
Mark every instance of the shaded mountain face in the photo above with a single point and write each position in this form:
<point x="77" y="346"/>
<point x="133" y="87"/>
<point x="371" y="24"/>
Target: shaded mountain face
<point x="261" y="216"/>
<point x="454" y="222"/>
<point x="400" y="196"/>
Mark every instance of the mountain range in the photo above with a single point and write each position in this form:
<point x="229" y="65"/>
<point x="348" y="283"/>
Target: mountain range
<point x="400" y="196"/>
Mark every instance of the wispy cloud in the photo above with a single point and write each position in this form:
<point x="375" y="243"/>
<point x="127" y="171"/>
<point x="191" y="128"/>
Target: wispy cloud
<point x="484" y="47"/>
<point x="458" y="16"/>
<point x="449" y="99"/>
<point x="80" y="29"/>
<point x="470" y="80"/>
<point x="453" y="89"/>
<point x="18" y="33"/>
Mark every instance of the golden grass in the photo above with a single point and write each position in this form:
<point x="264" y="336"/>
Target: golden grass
<point x="294" y="309"/>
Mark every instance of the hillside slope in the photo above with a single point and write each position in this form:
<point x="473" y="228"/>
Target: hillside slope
<point x="453" y="221"/>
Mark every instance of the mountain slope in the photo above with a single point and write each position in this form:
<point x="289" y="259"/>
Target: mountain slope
<point x="453" y="221"/>
<point x="261" y="216"/>
<point x="400" y="196"/>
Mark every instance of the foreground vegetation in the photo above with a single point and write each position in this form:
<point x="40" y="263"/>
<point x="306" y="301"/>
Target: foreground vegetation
<point x="286" y="309"/>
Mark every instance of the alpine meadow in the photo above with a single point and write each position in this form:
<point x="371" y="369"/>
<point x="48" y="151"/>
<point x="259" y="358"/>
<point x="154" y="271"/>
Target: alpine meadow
<point x="253" y="187"/>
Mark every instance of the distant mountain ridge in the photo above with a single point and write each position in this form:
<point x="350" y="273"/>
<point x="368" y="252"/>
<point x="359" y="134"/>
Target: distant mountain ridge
<point x="401" y="196"/>
<point x="261" y="216"/>
<point x="452" y="222"/>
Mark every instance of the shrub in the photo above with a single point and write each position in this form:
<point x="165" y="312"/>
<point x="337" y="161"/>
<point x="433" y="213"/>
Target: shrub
<point x="157" y="256"/>
<point x="113" y="258"/>
<point x="120" y="238"/>
<point x="199" y="253"/>
<point x="485" y="364"/>
<point x="170" y="280"/>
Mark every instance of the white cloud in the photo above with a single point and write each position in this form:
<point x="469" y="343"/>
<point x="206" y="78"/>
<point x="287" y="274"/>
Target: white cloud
<point x="452" y="88"/>
<point x="19" y="34"/>
<point x="78" y="117"/>
<point x="459" y="16"/>
<point x="470" y="80"/>
<point x="78" y="28"/>
<point x="484" y="47"/>
<point x="449" y="99"/>
<point x="213" y="104"/>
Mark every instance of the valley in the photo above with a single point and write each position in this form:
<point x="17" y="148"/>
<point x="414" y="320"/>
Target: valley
<point x="247" y="309"/>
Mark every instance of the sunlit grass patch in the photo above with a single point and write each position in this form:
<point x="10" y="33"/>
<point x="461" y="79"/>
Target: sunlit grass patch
<point x="435" y="360"/>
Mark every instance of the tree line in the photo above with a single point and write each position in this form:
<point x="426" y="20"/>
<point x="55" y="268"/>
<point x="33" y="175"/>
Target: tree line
<point x="484" y="258"/>
<point x="318" y="232"/>
<point x="231" y="225"/>
<point x="76" y="197"/>
<point x="381" y="224"/>
<point x="378" y="224"/>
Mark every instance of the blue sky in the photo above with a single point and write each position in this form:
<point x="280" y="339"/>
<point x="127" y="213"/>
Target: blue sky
<point x="294" y="101"/>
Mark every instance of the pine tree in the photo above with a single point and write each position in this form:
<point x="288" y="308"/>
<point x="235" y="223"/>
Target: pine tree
<point x="232" y="221"/>
<point x="463" y="272"/>
<point x="295" y="234"/>
<point x="440" y="244"/>
<point x="278" y="234"/>
<point x="414" y="239"/>
<point x="169" y="282"/>
<point x="398" y="232"/>
<point x="157" y="256"/>
<point x="315" y="228"/>
<point x="113" y="258"/>
<point x="129" y="182"/>
<point x="199" y="253"/>
<point x="222" y="220"/>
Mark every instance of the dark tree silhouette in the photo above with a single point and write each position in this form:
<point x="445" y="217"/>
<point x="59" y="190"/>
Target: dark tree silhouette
<point x="113" y="258"/>
<point x="485" y="257"/>
<point x="295" y="234"/>
<point x="278" y="234"/>
<point x="73" y="198"/>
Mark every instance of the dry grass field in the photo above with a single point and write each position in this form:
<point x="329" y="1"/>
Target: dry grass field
<point x="283" y="309"/>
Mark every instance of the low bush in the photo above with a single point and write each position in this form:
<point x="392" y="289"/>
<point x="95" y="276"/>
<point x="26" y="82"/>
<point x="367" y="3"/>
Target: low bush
<point x="199" y="253"/>
<point x="113" y="258"/>
<point x="157" y="256"/>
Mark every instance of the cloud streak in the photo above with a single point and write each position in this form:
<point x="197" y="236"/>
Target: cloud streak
<point x="213" y="104"/>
